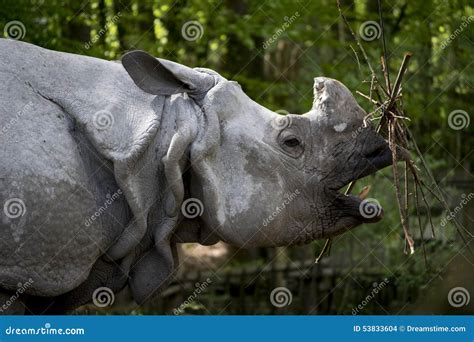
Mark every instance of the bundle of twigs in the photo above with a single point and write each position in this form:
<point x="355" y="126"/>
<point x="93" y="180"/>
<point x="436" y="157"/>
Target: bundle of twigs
<point x="388" y="101"/>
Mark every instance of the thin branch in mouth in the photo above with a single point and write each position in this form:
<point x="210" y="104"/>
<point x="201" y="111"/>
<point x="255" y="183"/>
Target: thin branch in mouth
<point x="393" y="122"/>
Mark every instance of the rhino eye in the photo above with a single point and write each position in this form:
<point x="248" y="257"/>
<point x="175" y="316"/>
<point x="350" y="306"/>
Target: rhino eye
<point x="292" y="142"/>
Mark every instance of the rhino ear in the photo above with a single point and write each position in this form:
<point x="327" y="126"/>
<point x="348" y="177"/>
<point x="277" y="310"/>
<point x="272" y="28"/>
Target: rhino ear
<point x="162" y="77"/>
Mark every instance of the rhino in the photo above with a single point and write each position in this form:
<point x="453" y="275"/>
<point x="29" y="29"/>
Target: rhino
<point x="106" y="166"/>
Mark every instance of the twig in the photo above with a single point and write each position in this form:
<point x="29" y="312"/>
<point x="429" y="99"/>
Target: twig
<point x="441" y="197"/>
<point x="406" y="192"/>
<point x="398" y="80"/>
<point x="428" y="210"/>
<point x="393" y="116"/>
<point x="401" y="72"/>
<point x="355" y="53"/>
<point x="326" y="250"/>
<point x="404" y="221"/>
<point x="422" y="231"/>
<point x="355" y="38"/>
<point x="386" y="76"/>
<point x="385" y="57"/>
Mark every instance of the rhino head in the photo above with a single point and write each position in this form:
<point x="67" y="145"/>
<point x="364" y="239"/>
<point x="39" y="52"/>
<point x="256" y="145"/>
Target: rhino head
<point x="264" y="179"/>
<point x="260" y="178"/>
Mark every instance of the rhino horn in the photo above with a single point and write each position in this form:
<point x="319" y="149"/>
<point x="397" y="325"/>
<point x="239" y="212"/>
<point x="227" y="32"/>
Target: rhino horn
<point x="332" y="97"/>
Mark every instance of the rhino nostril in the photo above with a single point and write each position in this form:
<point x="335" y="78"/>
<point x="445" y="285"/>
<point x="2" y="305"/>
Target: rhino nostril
<point x="377" y="152"/>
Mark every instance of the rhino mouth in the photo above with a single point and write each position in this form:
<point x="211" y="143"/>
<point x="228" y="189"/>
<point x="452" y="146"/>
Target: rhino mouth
<point x="358" y="210"/>
<point x="354" y="210"/>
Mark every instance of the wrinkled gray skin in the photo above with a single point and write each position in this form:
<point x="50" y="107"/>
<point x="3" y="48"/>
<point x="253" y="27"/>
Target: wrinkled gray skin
<point x="177" y="133"/>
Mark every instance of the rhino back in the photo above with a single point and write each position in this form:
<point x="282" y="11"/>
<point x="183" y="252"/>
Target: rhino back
<point x="52" y="182"/>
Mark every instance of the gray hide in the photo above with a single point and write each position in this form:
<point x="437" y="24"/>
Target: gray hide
<point x="98" y="158"/>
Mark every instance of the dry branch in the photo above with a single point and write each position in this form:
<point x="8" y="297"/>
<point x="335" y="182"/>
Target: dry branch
<point x="393" y="119"/>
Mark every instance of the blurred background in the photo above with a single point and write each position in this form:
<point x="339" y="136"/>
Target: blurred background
<point x="274" y="49"/>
